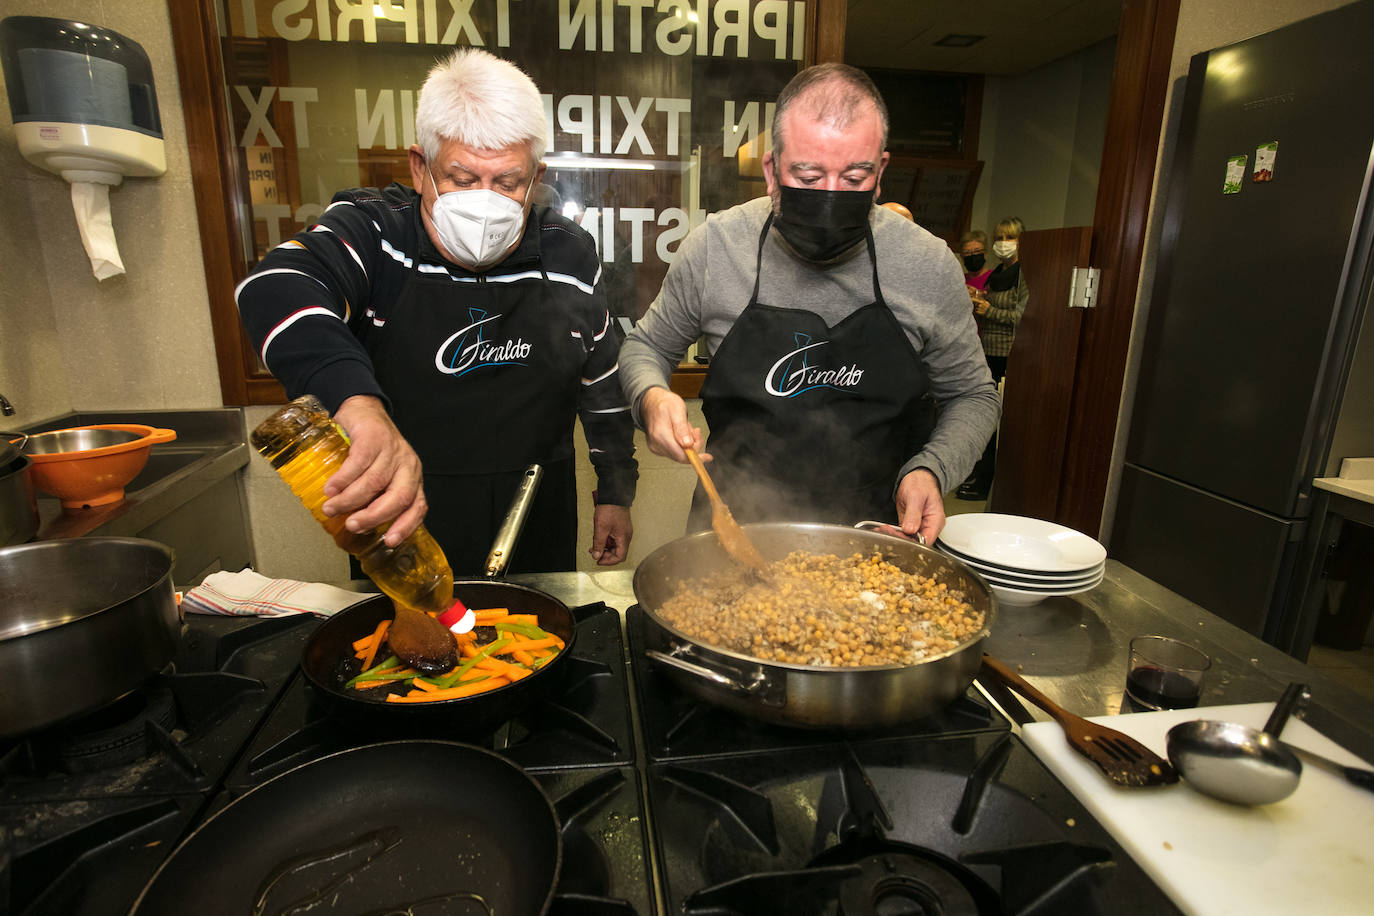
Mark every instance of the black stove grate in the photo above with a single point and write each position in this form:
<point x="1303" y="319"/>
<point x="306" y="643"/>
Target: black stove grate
<point x="179" y="733"/>
<point x="694" y="807"/>
<point x="958" y="824"/>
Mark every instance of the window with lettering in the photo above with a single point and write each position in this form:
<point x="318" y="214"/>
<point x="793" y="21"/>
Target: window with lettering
<point x="659" y="110"/>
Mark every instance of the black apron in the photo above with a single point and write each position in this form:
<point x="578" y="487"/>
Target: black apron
<point x="484" y="377"/>
<point x="811" y="423"/>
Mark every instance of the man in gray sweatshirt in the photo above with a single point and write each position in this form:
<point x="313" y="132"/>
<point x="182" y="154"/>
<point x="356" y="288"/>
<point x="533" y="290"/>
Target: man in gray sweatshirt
<point x="834" y="329"/>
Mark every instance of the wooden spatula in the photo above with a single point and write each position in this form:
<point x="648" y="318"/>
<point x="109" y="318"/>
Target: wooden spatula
<point x="421" y="641"/>
<point x="732" y="536"/>
<point x="1121" y="758"/>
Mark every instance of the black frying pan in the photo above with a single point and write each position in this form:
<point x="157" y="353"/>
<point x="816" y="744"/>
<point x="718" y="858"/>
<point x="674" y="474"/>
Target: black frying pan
<point x="436" y="820"/>
<point x="328" y="663"/>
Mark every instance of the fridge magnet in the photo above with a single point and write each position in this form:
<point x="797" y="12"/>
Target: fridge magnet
<point x="1265" y="155"/>
<point x="1235" y="174"/>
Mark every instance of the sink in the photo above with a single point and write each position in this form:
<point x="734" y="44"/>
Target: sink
<point x="188" y="496"/>
<point x="163" y="464"/>
<point x="210" y="448"/>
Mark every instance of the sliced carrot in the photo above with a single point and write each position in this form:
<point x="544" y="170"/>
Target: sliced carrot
<point x="452" y="693"/>
<point x="424" y="686"/>
<point x="530" y="645"/>
<point x="523" y="658"/>
<point x="497" y="665"/>
<point x="529" y="619"/>
<point x="371" y="685"/>
<point x="378" y="636"/>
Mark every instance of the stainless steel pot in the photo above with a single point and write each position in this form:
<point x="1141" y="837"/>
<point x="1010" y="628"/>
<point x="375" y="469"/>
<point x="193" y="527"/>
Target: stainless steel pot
<point x="810" y="696"/>
<point x="18" y="502"/>
<point x="83" y="621"/>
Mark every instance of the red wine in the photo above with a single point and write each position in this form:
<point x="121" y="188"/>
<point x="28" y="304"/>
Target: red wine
<point x="1155" y="688"/>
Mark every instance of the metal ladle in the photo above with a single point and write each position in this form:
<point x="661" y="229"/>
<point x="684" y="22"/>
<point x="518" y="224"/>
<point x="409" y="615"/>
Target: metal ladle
<point x="1247" y="766"/>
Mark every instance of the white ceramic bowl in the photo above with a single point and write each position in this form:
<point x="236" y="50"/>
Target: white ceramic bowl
<point x="1029" y="597"/>
<point x="1021" y="545"/>
<point x="1016" y="580"/>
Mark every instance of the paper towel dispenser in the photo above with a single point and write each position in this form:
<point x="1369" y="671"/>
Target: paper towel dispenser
<point x="82" y="99"/>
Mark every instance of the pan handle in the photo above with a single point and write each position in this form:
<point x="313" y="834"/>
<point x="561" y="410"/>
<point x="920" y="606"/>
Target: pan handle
<point x="514" y="522"/>
<point x="890" y="530"/>
<point x="754" y="684"/>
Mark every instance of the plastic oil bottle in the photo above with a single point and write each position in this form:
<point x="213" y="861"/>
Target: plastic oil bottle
<point x="306" y="448"/>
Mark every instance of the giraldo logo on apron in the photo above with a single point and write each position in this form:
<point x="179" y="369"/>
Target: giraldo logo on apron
<point x="793" y="374"/>
<point x="468" y="349"/>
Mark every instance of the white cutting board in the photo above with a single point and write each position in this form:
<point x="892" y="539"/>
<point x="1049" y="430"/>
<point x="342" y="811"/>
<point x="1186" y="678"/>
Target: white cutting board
<point x="1312" y="853"/>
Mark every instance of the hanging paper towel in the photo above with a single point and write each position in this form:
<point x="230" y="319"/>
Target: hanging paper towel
<point x="84" y="106"/>
<point x="91" y="204"/>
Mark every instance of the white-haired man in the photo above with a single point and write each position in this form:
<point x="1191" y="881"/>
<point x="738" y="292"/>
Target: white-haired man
<point x="818" y="396"/>
<point x="456" y="331"/>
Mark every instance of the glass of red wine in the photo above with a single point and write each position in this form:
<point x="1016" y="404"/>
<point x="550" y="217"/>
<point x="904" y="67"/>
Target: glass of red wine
<point x="1164" y="673"/>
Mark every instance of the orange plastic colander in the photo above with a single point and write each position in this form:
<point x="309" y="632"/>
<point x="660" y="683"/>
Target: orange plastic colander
<point x="86" y="466"/>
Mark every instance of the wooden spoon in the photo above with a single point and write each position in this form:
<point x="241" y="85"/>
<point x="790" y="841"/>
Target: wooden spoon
<point x="732" y="536"/>
<point x="421" y="641"/>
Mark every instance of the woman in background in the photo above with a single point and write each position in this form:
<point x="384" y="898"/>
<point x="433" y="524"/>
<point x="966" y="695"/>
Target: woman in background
<point x="998" y="309"/>
<point x="973" y="248"/>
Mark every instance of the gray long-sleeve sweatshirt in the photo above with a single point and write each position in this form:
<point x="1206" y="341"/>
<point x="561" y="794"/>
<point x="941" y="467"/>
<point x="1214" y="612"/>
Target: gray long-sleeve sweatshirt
<point x="710" y="280"/>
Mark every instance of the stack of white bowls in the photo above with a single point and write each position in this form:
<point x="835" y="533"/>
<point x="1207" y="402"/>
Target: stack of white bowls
<point x="1025" y="560"/>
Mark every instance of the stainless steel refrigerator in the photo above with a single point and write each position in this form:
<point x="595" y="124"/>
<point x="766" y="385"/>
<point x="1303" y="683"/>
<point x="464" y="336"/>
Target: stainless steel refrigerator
<point x="1261" y="296"/>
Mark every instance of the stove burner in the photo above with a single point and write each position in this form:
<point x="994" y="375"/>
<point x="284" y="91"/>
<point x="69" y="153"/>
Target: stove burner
<point x="891" y="879"/>
<point x="116" y="734"/>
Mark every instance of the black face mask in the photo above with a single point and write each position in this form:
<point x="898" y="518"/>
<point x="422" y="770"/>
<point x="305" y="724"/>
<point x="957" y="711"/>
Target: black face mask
<point x="973" y="262"/>
<point x="821" y="225"/>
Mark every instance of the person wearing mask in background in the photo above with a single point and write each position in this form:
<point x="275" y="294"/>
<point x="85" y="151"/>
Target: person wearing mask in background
<point x="998" y="309"/>
<point x="456" y="332"/>
<point x="973" y="248"/>
<point x="827" y="319"/>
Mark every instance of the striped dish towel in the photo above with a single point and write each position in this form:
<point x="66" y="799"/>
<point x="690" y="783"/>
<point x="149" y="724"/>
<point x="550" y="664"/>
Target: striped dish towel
<point x="248" y="594"/>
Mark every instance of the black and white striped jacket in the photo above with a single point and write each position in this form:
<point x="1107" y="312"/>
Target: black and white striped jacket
<point x="316" y="308"/>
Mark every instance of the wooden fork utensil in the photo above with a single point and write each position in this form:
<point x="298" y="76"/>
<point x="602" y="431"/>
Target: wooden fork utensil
<point x="1123" y="759"/>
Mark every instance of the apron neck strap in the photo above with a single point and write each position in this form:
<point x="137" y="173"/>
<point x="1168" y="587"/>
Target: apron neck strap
<point x="538" y="244"/>
<point x="758" y="256"/>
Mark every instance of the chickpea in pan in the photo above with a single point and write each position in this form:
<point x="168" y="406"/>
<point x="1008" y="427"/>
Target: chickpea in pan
<point x="822" y="610"/>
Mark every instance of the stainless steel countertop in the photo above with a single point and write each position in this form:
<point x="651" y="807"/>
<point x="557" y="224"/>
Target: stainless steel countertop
<point x="1075" y="649"/>
<point x="211" y="444"/>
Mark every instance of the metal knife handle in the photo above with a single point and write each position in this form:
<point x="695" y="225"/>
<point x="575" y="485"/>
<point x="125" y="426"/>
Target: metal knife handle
<point x="1294" y="700"/>
<point x="514" y="522"/>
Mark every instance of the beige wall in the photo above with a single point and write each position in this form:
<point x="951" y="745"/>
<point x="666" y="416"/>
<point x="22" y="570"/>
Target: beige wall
<point x="1040" y="139"/>
<point x="68" y="341"/>
<point x="1202" y="26"/>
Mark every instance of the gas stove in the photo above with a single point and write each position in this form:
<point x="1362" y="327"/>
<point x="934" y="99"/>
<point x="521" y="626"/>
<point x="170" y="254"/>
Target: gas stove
<point x="668" y="805"/>
<point x="949" y="814"/>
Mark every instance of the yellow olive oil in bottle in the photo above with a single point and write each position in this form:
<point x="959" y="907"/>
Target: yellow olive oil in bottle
<point x="306" y="448"/>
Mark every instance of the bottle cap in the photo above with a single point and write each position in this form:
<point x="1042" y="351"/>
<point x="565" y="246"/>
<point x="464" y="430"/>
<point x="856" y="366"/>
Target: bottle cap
<point x="458" y="618"/>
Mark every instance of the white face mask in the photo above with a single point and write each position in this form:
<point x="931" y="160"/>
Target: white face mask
<point x="1004" y="249"/>
<point x="477" y="226"/>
